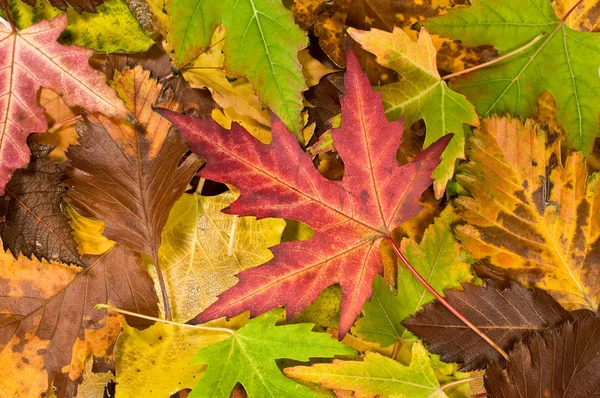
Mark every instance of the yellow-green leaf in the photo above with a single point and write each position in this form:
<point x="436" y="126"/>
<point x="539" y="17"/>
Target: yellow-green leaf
<point x="202" y="249"/>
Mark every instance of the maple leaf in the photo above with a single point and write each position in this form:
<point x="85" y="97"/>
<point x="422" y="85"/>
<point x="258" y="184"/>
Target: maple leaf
<point x="32" y="220"/>
<point x="421" y="94"/>
<point x="350" y="217"/>
<point x="262" y="44"/>
<point x="66" y="71"/>
<point x="438" y="260"/>
<point x="49" y="324"/>
<point x="199" y="260"/>
<point x="559" y="62"/>
<point x="130" y="175"/>
<point x="531" y="216"/>
<point x="249" y="357"/>
<point x="376" y="375"/>
<point x="562" y="363"/>
<point x="156" y="362"/>
<point x="505" y="316"/>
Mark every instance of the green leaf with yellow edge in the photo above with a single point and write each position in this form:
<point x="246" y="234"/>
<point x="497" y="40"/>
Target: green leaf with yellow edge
<point x="421" y="93"/>
<point x="438" y="259"/>
<point x="262" y="44"/>
<point x="111" y="28"/>
<point x="249" y="357"/>
<point x="88" y="233"/>
<point x="529" y="214"/>
<point x="563" y="61"/>
<point x="202" y="249"/>
<point x="156" y="362"/>
<point x="376" y="375"/>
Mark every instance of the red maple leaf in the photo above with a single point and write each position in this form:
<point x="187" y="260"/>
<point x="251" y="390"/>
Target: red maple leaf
<point x="29" y="60"/>
<point x="350" y="217"/>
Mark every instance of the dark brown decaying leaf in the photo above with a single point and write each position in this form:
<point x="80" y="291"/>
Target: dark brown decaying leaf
<point x="562" y="363"/>
<point x="45" y="337"/>
<point x="31" y="218"/>
<point x="505" y="316"/>
<point x="130" y="175"/>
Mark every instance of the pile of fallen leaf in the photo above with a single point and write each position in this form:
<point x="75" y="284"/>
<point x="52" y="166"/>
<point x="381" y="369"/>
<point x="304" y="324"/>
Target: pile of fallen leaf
<point x="299" y="198"/>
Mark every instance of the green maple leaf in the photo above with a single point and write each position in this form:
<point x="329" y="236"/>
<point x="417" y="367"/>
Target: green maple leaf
<point x="421" y="93"/>
<point x="262" y="44"/>
<point x="565" y="62"/>
<point x="249" y="357"/>
<point x="438" y="260"/>
<point x="376" y="375"/>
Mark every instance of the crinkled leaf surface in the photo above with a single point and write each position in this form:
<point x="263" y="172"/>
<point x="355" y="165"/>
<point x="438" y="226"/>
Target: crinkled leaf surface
<point x="49" y="324"/>
<point x="249" y="357"/>
<point x="350" y="217"/>
<point x="376" y="376"/>
<point x="421" y="93"/>
<point x="437" y="258"/>
<point x="562" y="363"/>
<point x="564" y="62"/>
<point x="202" y="248"/>
<point x="262" y="44"/>
<point x="32" y="221"/>
<point x="66" y="70"/>
<point x="530" y="215"/>
<point x="505" y="316"/>
<point x="130" y="175"/>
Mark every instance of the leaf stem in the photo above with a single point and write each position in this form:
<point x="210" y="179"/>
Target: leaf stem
<point x="396" y="349"/>
<point x="568" y="13"/>
<point x="496" y="60"/>
<point x="151" y="318"/>
<point x="163" y="287"/>
<point x="461" y="381"/>
<point x="10" y="21"/>
<point x="66" y="121"/>
<point x="446" y="303"/>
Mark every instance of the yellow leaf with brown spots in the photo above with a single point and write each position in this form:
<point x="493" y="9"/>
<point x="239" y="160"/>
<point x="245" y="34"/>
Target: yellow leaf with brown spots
<point x="49" y="325"/>
<point x="88" y="233"/>
<point x="531" y="215"/>
<point x="585" y="17"/>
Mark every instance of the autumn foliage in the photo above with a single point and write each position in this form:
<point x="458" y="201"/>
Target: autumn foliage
<point x="302" y="198"/>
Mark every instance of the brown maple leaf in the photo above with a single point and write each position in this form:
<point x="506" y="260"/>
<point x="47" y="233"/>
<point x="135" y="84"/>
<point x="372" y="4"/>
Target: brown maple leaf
<point x="23" y="54"/>
<point x="350" y="217"/>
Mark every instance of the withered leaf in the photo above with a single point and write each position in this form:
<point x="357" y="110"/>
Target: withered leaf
<point x="32" y="221"/>
<point x="49" y="325"/>
<point x="505" y="316"/>
<point x="130" y="175"/>
<point x="562" y="363"/>
<point x="530" y="215"/>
